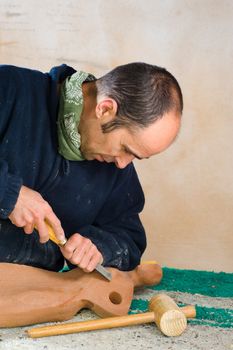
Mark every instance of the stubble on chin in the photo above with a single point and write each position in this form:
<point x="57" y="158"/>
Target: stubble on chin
<point x="86" y="155"/>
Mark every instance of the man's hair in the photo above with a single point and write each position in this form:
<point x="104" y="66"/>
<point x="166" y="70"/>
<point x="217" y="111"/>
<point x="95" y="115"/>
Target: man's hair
<point x="143" y="92"/>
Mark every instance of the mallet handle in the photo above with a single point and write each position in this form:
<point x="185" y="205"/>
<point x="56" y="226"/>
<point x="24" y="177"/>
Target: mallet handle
<point x="103" y="323"/>
<point x="189" y="311"/>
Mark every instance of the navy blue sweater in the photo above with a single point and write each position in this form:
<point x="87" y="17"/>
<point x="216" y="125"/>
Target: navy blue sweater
<point x="95" y="199"/>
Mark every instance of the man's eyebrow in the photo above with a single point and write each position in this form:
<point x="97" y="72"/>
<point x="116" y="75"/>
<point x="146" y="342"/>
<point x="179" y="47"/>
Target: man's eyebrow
<point x="128" y="150"/>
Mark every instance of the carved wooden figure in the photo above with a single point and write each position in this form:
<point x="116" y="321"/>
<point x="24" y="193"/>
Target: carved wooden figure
<point x="30" y="295"/>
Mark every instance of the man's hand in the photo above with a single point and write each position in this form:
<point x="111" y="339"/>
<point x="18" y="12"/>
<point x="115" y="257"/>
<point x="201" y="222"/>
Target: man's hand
<point x="31" y="210"/>
<point x="82" y="252"/>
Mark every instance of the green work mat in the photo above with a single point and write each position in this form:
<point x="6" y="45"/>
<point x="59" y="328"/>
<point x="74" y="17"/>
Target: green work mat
<point x="211" y="284"/>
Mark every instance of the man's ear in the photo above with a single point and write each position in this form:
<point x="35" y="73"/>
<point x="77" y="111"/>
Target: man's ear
<point x="106" y="109"/>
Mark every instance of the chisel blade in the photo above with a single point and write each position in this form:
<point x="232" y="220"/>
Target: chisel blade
<point x="104" y="272"/>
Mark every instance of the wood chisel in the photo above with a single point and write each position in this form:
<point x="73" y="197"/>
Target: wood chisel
<point x="100" y="268"/>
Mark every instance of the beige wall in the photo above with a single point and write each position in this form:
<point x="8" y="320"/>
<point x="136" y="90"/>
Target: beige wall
<point x="189" y="190"/>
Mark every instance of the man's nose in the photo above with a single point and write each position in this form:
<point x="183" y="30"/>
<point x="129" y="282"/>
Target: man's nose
<point x="122" y="162"/>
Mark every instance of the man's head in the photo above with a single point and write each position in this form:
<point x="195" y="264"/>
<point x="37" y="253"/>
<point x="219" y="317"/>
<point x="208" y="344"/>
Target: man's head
<point x="137" y="114"/>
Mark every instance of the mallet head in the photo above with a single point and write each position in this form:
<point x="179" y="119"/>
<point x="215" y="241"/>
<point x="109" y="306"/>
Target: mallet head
<point x="168" y="317"/>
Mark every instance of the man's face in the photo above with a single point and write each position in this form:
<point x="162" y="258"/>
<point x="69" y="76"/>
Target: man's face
<point x="121" y="146"/>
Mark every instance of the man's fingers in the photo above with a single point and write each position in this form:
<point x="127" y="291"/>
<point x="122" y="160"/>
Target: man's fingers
<point x="29" y="223"/>
<point x="42" y="230"/>
<point x="31" y="210"/>
<point x="96" y="259"/>
<point x="82" y="252"/>
<point x="76" y="249"/>
<point x="73" y="243"/>
<point x="87" y="257"/>
<point x="56" y="226"/>
<point x="77" y="255"/>
<point x="28" y="228"/>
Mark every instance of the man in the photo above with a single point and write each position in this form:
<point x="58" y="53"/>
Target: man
<point x="67" y="145"/>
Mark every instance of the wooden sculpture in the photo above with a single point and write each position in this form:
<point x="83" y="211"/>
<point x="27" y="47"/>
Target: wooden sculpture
<point x="30" y="295"/>
<point x="169" y="318"/>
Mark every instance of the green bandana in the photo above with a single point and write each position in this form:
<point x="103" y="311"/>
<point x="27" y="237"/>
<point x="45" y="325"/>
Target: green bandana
<point x="70" y="109"/>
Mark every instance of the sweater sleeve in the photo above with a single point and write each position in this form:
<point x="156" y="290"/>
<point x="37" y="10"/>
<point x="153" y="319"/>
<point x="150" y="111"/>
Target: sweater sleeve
<point x="10" y="185"/>
<point x="117" y="231"/>
<point x="10" y="180"/>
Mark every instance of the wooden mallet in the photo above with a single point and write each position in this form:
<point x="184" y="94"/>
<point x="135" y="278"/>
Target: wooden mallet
<point x="169" y="318"/>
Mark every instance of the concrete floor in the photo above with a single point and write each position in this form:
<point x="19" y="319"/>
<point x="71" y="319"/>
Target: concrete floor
<point x="139" y="337"/>
<point x="147" y="336"/>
